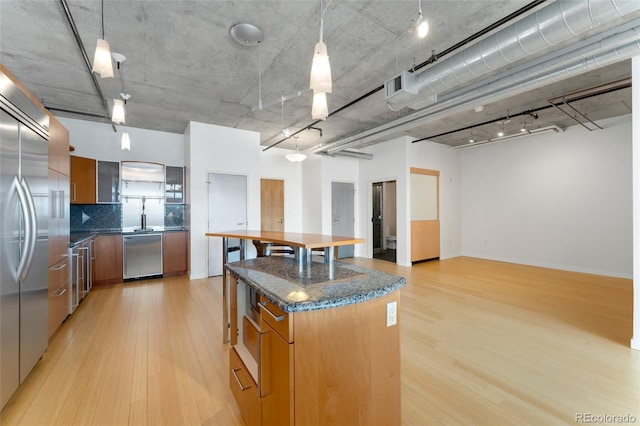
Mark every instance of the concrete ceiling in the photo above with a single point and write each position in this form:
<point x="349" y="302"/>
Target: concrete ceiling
<point x="182" y="65"/>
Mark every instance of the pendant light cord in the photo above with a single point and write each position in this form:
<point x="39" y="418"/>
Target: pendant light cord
<point x="323" y="10"/>
<point x="102" y="14"/>
<point x="259" y="76"/>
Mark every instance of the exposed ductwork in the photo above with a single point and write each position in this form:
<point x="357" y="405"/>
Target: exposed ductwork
<point x="548" y="27"/>
<point x="611" y="46"/>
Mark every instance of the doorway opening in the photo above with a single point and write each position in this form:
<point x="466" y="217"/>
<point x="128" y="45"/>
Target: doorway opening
<point x="384" y="220"/>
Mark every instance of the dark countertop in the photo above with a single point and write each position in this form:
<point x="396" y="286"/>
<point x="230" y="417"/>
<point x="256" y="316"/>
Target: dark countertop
<point x="77" y="237"/>
<point x="277" y="279"/>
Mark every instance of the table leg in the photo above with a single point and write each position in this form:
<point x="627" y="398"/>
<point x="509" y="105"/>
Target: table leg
<point x="225" y="294"/>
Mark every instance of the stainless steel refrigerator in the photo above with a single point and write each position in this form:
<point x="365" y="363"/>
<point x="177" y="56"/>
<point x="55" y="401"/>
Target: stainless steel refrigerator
<point x="24" y="210"/>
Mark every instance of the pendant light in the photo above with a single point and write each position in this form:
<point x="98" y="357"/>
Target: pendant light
<point x="297" y="156"/>
<point x="102" y="58"/>
<point x="125" y="143"/>
<point x="319" y="109"/>
<point x="422" y="24"/>
<point x="320" y="78"/>
<point x="117" y="115"/>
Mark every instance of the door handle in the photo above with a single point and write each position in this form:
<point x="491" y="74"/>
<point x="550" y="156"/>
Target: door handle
<point x="61" y="203"/>
<point x="33" y="225"/>
<point x="54" y="206"/>
<point x="26" y="253"/>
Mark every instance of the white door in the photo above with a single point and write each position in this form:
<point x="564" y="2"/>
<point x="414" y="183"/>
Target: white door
<point x="227" y="211"/>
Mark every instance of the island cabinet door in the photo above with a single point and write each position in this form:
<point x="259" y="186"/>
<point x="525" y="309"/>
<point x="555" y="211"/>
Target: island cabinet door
<point x="276" y="378"/>
<point x="244" y="390"/>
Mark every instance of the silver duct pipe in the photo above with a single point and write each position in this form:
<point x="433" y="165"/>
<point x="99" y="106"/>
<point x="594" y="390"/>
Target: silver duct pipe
<point x="603" y="52"/>
<point x="549" y="26"/>
<point x="349" y="153"/>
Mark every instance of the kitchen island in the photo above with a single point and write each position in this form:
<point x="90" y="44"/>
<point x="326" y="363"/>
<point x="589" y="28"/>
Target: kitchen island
<point x="315" y="346"/>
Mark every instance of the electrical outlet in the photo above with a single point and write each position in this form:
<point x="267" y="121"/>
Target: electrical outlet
<point x="392" y="313"/>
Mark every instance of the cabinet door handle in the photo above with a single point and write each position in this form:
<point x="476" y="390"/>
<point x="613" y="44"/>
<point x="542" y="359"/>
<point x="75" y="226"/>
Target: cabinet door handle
<point x="278" y="318"/>
<point x="74" y="192"/>
<point x="60" y="292"/>
<point x="61" y="203"/>
<point x="59" y="267"/>
<point x="54" y="207"/>
<point x="235" y="374"/>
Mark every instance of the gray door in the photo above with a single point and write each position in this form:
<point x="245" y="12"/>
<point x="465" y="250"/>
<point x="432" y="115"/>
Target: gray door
<point x="227" y="211"/>
<point x="342" y="212"/>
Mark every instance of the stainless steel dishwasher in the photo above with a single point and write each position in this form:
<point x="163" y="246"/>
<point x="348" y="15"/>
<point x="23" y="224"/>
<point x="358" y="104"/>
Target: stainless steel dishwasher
<point x="142" y="255"/>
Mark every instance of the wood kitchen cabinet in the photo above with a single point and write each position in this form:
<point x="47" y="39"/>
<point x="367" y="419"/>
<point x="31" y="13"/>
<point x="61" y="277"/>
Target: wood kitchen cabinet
<point x="175" y="248"/>
<point x="107" y="254"/>
<point x="83" y="180"/>
<point x="59" y="215"/>
<point x="58" y="294"/>
<point x="338" y="365"/>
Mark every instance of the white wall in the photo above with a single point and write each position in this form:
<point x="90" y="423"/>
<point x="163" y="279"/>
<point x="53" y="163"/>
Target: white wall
<point x="635" y="63"/>
<point x="555" y="200"/>
<point x="99" y="141"/>
<point x="390" y="162"/>
<point x="216" y="149"/>
<point x="435" y="156"/>
<point x="273" y="165"/>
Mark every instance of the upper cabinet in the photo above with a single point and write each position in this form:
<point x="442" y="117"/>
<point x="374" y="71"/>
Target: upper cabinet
<point x="108" y="181"/>
<point x="58" y="146"/>
<point x="174" y="185"/>
<point x="83" y="180"/>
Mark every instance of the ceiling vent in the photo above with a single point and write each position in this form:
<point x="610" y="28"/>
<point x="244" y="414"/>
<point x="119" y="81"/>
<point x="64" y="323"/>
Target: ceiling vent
<point x="403" y="89"/>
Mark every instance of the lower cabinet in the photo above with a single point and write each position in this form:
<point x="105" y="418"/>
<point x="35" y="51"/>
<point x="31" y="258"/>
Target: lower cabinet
<point x="107" y="256"/>
<point x="175" y="252"/>
<point x="58" y="294"/>
<point x="244" y="389"/>
<point x="336" y="366"/>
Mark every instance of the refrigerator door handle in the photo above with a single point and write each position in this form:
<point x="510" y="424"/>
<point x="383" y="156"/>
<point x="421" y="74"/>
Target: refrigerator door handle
<point x="24" y="250"/>
<point x="31" y="233"/>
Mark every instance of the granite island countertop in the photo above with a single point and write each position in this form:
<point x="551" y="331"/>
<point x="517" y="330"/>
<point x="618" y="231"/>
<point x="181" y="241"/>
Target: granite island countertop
<point x="277" y="278"/>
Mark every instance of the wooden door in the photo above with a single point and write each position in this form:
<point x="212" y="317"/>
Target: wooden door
<point x="425" y="214"/>
<point x="272" y="205"/>
<point x="83" y="180"/>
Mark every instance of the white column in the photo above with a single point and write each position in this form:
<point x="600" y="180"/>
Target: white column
<point x="635" y="340"/>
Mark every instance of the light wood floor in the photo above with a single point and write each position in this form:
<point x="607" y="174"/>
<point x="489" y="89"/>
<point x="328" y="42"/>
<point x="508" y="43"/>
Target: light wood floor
<point x="483" y="343"/>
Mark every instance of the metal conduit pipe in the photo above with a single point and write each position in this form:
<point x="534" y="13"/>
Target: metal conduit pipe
<point x="423" y="64"/>
<point x="549" y="26"/>
<point x="601" y="53"/>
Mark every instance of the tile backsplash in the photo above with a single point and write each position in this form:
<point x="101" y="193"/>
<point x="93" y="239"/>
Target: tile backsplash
<point x="104" y="217"/>
<point x="174" y="215"/>
<point x="96" y="217"/>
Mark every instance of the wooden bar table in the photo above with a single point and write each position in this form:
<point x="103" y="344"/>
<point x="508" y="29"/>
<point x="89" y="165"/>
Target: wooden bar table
<point x="302" y="244"/>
